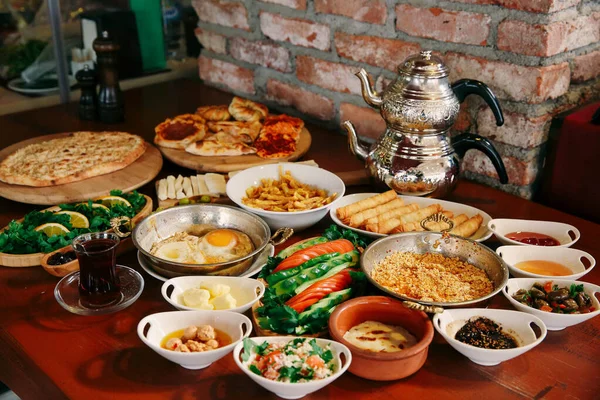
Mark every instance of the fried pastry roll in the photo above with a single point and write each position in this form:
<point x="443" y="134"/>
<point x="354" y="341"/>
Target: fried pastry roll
<point x="345" y="212"/>
<point x="468" y="228"/>
<point x="393" y="213"/>
<point x="358" y="219"/>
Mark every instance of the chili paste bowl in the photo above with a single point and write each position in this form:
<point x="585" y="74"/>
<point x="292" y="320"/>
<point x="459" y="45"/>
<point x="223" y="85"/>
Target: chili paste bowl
<point x="565" y="234"/>
<point x="518" y="325"/>
<point x="554" y="321"/>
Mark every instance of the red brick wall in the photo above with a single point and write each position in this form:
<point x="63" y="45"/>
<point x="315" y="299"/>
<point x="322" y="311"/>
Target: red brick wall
<point x="540" y="57"/>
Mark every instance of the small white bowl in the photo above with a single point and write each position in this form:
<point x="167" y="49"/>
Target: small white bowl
<point x="553" y="321"/>
<point x="153" y="329"/>
<point x="295" y="390"/>
<point x="317" y="177"/>
<point x="570" y="258"/>
<point x="558" y="230"/>
<point x="245" y="290"/>
<point x="515" y="323"/>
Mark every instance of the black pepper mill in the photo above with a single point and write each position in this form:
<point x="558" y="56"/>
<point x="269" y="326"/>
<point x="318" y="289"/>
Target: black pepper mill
<point x="87" y="102"/>
<point x="110" y="97"/>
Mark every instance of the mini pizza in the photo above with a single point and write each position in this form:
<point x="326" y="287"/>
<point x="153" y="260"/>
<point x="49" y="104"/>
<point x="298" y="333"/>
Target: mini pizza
<point x="179" y="132"/>
<point x="246" y="131"/>
<point x="219" y="144"/>
<point x="71" y="158"/>
<point x="214" y="113"/>
<point x="247" y="110"/>
<point x="278" y="136"/>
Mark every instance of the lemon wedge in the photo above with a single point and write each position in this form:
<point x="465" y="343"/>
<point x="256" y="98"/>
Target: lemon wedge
<point x="78" y="220"/>
<point x="52" y="229"/>
<point x="109" y="201"/>
<point x="95" y="205"/>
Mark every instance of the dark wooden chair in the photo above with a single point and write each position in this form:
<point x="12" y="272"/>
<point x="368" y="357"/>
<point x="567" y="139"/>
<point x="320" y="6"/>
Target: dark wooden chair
<point x="571" y="176"/>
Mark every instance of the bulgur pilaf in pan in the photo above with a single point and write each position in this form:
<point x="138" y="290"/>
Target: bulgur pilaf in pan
<point x="431" y="277"/>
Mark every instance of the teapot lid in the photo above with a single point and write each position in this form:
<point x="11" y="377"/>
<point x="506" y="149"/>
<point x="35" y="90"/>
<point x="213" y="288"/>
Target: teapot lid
<point x="424" y="65"/>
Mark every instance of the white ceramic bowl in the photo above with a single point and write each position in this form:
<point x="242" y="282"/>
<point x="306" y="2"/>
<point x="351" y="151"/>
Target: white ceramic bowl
<point x="317" y="177"/>
<point x="153" y="328"/>
<point x="553" y="321"/>
<point x="515" y="323"/>
<point x="558" y="230"/>
<point x="295" y="390"/>
<point x="245" y="290"/>
<point x="570" y="258"/>
<point x="481" y="235"/>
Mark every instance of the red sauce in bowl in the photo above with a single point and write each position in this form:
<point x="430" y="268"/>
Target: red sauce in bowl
<point x="538" y="239"/>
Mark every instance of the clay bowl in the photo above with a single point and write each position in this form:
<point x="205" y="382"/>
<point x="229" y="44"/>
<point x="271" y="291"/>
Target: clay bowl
<point x="382" y="366"/>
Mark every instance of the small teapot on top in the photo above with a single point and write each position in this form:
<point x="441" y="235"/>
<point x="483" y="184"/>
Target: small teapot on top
<point x="415" y="156"/>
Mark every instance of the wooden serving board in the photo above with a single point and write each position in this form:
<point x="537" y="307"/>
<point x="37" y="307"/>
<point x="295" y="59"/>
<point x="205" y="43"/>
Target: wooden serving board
<point x="135" y="175"/>
<point x="225" y="164"/>
<point x="34" y="259"/>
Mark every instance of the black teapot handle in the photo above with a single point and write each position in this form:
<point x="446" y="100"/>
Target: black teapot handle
<point x="464" y="87"/>
<point x="466" y="141"/>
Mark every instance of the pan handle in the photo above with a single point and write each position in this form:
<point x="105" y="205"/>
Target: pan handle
<point x="281" y="235"/>
<point x="420" y="307"/>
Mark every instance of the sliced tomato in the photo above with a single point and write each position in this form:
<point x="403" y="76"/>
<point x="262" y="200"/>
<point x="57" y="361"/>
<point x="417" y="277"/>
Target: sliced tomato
<point x="315" y="361"/>
<point x="300" y="257"/>
<point x="546" y="308"/>
<point x="548" y="287"/>
<point x="319" y="290"/>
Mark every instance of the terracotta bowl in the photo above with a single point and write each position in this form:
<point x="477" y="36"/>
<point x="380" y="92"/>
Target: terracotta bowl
<point x="382" y="366"/>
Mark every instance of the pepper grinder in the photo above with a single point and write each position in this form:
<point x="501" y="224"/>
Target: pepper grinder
<point x="86" y="78"/>
<point x="110" y="97"/>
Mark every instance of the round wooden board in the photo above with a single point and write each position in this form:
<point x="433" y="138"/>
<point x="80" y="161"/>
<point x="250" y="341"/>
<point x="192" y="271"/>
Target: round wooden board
<point x="224" y="164"/>
<point x="135" y="175"/>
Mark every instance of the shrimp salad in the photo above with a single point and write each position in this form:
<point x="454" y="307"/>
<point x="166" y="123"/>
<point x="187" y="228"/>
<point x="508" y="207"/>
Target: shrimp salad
<point x="299" y="360"/>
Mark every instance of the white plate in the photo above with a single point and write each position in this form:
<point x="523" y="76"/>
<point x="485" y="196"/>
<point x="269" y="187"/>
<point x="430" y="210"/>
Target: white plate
<point x="570" y="258"/>
<point x="512" y="322"/>
<point x="289" y="390"/>
<point x="19" y="85"/>
<point x="253" y="270"/>
<point x="558" y="230"/>
<point x="553" y="321"/>
<point x="246" y="291"/>
<point x="482" y="234"/>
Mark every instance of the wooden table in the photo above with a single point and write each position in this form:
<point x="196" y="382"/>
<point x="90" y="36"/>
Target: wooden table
<point x="48" y="353"/>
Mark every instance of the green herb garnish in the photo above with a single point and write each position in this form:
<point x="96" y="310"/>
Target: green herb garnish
<point x="22" y="238"/>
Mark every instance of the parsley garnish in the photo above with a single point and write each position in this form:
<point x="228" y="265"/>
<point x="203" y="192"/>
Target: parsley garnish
<point x="254" y="369"/>
<point x="291" y="372"/>
<point x="249" y="346"/>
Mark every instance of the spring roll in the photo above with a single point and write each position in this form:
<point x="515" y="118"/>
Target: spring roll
<point x="459" y="219"/>
<point x="415" y="216"/>
<point x="358" y="219"/>
<point x="468" y="228"/>
<point x="345" y="212"/>
<point x="414" y="226"/>
<point x="394" y="213"/>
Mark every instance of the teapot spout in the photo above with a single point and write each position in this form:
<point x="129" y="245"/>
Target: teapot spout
<point x="370" y="96"/>
<point x="355" y="147"/>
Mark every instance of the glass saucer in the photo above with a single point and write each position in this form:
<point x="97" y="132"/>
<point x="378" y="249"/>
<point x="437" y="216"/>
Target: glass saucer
<point x="67" y="292"/>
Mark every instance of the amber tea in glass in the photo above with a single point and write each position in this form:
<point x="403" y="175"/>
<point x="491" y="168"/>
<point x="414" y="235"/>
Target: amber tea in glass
<point x="98" y="281"/>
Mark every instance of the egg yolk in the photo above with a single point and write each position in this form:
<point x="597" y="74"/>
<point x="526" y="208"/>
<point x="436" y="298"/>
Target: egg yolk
<point x="221" y="237"/>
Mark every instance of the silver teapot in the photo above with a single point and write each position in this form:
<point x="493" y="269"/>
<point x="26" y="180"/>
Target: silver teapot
<point x="416" y="156"/>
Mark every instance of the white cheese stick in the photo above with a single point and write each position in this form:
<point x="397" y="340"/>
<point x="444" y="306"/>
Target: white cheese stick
<point x="202" y="188"/>
<point x="194" y="180"/>
<point x="216" y="183"/>
<point x="180" y="194"/>
<point x="187" y="187"/>
<point x="178" y="183"/>
<point x="171" y="187"/>
<point x="161" y="191"/>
